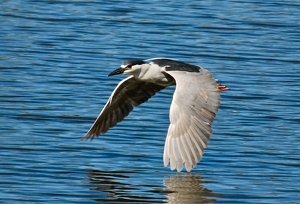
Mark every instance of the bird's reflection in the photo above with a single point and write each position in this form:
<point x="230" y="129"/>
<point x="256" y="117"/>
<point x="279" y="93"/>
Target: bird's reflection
<point x="117" y="187"/>
<point x="187" y="188"/>
<point x="136" y="187"/>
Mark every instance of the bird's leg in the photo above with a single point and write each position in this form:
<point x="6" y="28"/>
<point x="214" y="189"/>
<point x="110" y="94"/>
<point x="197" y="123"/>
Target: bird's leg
<point x="222" y="88"/>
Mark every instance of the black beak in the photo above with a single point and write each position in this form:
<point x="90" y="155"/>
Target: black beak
<point x="117" y="71"/>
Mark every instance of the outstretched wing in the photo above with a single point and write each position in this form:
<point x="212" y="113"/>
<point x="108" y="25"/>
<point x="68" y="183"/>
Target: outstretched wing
<point x="129" y="93"/>
<point x="195" y="103"/>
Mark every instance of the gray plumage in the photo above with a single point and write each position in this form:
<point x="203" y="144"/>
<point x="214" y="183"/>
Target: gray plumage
<point x="195" y="103"/>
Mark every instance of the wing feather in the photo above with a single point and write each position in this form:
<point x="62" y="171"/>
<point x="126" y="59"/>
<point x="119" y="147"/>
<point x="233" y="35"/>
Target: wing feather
<point x="195" y="103"/>
<point x="129" y="93"/>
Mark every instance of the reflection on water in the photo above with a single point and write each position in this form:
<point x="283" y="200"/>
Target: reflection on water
<point x="125" y="187"/>
<point x="187" y="189"/>
<point x="118" y="187"/>
<point x="110" y="186"/>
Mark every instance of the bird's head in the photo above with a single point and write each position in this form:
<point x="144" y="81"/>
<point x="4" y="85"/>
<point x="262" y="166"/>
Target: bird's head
<point x="128" y="67"/>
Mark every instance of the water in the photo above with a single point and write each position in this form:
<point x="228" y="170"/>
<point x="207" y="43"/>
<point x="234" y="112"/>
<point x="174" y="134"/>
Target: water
<point x="54" y="61"/>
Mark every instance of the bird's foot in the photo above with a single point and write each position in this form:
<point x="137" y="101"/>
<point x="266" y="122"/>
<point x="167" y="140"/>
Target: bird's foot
<point x="222" y="88"/>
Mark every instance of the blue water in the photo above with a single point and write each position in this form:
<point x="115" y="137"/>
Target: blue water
<point x="54" y="60"/>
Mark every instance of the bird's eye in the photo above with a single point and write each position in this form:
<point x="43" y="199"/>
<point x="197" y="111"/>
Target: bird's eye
<point x="129" y="66"/>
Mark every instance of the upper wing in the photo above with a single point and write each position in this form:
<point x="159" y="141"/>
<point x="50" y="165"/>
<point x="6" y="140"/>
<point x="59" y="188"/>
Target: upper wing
<point x="195" y="103"/>
<point x="129" y="93"/>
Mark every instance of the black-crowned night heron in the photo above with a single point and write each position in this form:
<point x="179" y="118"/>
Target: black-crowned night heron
<point x="195" y="103"/>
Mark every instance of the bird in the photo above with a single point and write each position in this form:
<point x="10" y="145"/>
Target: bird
<point x="196" y="100"/>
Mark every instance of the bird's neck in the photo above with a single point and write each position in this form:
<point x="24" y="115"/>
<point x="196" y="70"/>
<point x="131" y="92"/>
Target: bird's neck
<point x="154" y="74"/>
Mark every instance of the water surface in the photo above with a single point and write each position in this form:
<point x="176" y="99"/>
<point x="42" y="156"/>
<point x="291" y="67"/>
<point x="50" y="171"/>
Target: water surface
<point x="54" y="61"/>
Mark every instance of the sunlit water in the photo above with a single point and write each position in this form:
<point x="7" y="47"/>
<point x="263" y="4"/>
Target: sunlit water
<point x="54" y="61"/>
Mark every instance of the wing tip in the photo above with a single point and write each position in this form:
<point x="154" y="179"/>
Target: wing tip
<point x="88" y="136"/>
<point x="179" y="166"/>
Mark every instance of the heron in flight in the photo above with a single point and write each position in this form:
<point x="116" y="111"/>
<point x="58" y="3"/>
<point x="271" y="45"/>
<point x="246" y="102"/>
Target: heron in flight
<point x="194" y="106"/>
